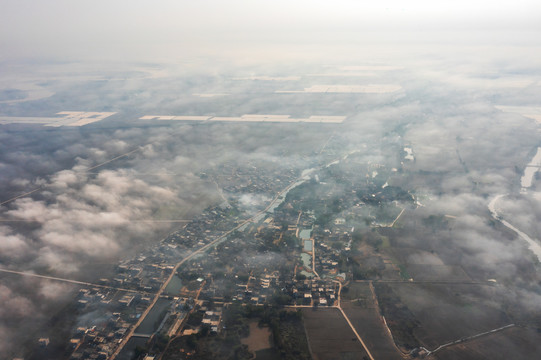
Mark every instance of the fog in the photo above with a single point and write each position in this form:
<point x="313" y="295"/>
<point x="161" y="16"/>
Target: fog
<point x="248" y="31"/>
<point x="77" y="200"/>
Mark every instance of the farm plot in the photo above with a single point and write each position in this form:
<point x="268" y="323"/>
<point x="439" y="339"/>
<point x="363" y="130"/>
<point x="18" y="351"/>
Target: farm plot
<point x="423" y="265"/>
<point x="446" y="313"/>
<point x="513" y="343"/>
<point x="259" y="338"/>
<point x="362" y="311"/>
<point x="330" y="337"/>
<point x="421" y="272"/>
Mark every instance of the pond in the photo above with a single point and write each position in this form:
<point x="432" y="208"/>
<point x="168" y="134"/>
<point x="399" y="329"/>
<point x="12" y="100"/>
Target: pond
<point x="174" y="286"/>
<point x="154" y="317"/>
<point x="306" y="260"/>
<point x="128" y="352"/>
<point x="305" y="234"/>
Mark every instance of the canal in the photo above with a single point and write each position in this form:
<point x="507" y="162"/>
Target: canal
<point x="154" y="317"/>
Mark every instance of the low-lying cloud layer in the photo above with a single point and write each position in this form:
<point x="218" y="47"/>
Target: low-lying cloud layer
<point x="89" y="210"/>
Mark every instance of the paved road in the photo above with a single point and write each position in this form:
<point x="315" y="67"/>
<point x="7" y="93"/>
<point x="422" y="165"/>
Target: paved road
<point x="74" y="281"/>
<point x="459" y="341"/>
<point x="442" y="282"/>
<point x="339" y="307"/>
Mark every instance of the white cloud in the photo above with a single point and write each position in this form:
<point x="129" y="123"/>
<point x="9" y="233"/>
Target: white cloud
<point x="11" y="245"/>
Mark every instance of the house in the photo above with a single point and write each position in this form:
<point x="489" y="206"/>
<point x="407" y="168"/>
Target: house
<point x="43" y="342"/>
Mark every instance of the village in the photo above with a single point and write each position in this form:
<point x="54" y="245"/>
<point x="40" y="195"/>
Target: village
<point x="290" y="256"/>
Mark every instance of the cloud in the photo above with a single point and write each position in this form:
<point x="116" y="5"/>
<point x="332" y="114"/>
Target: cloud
<point x="465" y="152"/>
<point x="26" y="303"/>
<point x="253" y="202"/>
<point x="12" y="246"/>
<point x="84" y="217"/>
<point x="13" y="306"/>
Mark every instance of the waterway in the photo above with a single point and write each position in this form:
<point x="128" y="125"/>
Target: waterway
<point x="305" y="234"/>
<point x="305" y="176"/>
<point x="308" y="245"/>
<point x="154" y="317"/>
<point x="280" y="199"/>
<point x="306" y="260"/>
<point x="525" y="182"/>
<point x="128" y="351"/>
<point x="174" y="286"/>
<point x="532" y="244"/>
<point x="532" y="168"/>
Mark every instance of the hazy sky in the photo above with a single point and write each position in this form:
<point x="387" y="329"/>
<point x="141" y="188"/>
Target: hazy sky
<point x="456" y="48"/>
<point x="146" y="29"/>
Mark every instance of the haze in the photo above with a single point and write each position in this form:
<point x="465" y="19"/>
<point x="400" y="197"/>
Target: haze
<point x="285" y="180"/>
<point x="172" y="30"/>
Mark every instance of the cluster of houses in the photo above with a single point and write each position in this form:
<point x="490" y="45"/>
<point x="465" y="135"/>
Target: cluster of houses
<point x="224" y="274"/>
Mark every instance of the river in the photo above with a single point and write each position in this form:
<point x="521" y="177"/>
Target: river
<point x="533" y="245"/>
<point x="174" y="286"/>
<point x="525" y="182"/>
<point x="128" y="352"/>
<point x="305" y="176"/>
<point x="531" y="169"/>
<point x="154" y="317"/>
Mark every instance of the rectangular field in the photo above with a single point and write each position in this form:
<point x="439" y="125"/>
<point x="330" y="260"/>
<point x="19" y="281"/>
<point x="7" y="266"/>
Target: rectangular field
<point x="67" y="118"/>
<point x="448" y="312"/>
<point x="362" y="311"/>
<point x="249" y="118"/>
<point x="347" y="89"/>
<point x="421" y="272"/>
<point x="329" y="335"/>
<point x="514" y="343"/>
<point x="259" y="338"/>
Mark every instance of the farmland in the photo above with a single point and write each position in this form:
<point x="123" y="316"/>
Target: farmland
<point x="363" y="313"/>
<point x="330" y="337"/>
<point x="518" y="343"/>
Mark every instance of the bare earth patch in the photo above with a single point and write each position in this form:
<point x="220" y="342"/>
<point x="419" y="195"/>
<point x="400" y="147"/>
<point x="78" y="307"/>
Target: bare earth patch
<point x="259" y="338"/>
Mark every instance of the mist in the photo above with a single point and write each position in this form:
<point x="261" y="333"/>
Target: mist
<point x="76" y="201"/>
